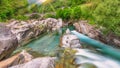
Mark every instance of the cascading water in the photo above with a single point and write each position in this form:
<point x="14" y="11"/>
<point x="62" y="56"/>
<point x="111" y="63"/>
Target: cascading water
<point x="86" y="57"/>
<point x="48" y="45"/>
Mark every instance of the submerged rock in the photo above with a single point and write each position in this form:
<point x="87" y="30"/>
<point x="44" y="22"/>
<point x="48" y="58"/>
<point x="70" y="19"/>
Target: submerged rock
<point x="8" y="42"/>
<point x="20" y="58"/>
<point x="44" y="62"/>
<point x="69" y="40"/>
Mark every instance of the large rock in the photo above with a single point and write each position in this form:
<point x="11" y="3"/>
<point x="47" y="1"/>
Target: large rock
<point x="25" y="30"/>
<point x="84" y="28"/>
<point x="69" y="40"/>
<point x="8" y="42"/>
<point x="44" y="62"/>
<point x="90" y="30"/>
<point x="20" y="58"/>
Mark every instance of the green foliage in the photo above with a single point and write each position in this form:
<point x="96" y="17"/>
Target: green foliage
<point x="76" y="2"/>
<point x="9" y="8"/>
<point x="21" y="17"/>
<point x="63" y="13"/>
<point x="16" y="8"/>
<point x="6" y="10"/>
<point x="107" y="15"/>
<point x="74" y="13"/>
<point x="49" y="16"/>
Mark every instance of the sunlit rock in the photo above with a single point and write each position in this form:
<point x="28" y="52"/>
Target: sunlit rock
<point x="70" y="41"/>
<point x="26" y="30"/>
<point x="43" y="62"/>
<point x="8" y="42"/>
<point x="20" y="58"/>
<point x="85" y="28"/>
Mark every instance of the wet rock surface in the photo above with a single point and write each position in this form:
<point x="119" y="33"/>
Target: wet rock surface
<point x="44" y="62"/>
<point x="8" y="42"/>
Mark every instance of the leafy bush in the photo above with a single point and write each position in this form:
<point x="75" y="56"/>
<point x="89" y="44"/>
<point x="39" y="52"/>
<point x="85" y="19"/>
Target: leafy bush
<point x="75" y="13"/>
<point x="63" y="13"/>
<point x="76" y="2"/>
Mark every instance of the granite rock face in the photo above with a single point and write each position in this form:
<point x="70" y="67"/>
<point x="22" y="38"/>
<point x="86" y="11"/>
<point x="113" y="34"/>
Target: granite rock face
<point x="8" y="42"/>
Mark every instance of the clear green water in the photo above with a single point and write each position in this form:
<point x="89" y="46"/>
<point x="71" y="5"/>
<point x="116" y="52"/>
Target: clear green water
<point x="48" y="45"/>
<point x="45" y="45"/>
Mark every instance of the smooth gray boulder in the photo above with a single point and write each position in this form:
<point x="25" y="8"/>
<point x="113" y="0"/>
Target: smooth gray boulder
<point x="8" y="42"/>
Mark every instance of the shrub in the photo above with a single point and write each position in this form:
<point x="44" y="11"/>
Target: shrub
<point x="107" y="15"/>
<point x="63" y="13"/>
<point x="10" y="8"/>
<point x="75" y="13"/>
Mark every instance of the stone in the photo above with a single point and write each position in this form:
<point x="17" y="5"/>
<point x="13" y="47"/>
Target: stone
<point x="69" y="40"/>
<point x="26" y="30"/>
<point x="8" y="42"/>
<point x="94" y="33"/>
<point x="84" y="28"/>
<point x="43" y="62"/>
<point x="20" y="58"/>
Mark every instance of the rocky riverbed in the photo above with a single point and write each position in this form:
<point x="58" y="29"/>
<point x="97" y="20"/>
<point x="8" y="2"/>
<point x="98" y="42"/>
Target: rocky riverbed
<point x="17" y="33"/>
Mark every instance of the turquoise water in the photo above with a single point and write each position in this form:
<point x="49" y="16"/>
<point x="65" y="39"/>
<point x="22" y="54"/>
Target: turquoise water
<point x="47" y="44"/>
